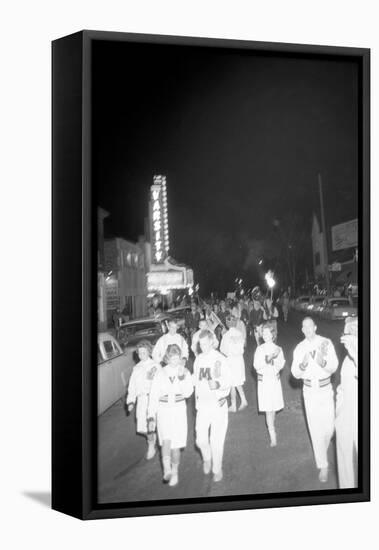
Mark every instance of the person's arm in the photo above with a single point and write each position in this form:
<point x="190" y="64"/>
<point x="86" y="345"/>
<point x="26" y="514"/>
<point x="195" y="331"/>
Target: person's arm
<point x="221" y="378"/>
<point x="185" y="383"/>
<point x="299" y="364"/>
<point x="157" y="351"/>
<point x="132" y="391"/>
<point x="326" y="358"/>
<point x="279" y="361"/>
<point x="153" y="398"/>
<point x="184" y="349"/>
<point x="223" y="345"/>
<point x="194" y="344"/>
<point x="259" y="362"/>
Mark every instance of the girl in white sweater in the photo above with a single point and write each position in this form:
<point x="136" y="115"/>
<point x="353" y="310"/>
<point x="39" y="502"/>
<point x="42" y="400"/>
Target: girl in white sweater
<point x="168" y="412"/>
<point x="268" y="362"/>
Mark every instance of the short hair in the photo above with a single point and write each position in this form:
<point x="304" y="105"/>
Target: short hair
<point x="145" y="344"/>
<point x="172" y="349"/>
<point x="172" y="321"/>
<point x="231" y="320"/>
<point x="270" y="327"/>
<point x="206" y="333"/>
<point x="308" y="318"/>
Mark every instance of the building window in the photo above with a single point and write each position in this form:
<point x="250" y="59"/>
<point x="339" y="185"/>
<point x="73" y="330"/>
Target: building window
<point x="317" y="258"/>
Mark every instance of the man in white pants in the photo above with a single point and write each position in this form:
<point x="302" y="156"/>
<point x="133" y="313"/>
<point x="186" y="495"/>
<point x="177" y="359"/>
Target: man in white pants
<point x="212" y="382"/>
<point x="171" y="337"/>
<point x="315" y="360"/>
<point x="347" y="409"/>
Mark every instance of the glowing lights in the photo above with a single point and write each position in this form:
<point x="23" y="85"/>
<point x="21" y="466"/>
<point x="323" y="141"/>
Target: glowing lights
<point x="159" y="221"/>
<point x="270" y="279"/>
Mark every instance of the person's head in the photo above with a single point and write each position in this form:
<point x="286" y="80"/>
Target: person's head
<point x="351" y="326"/>
<point x="268" y="333"/>
<point x="257" y="305"/>
<point x="222" y="305"/>
<point x="309" y="328"/>
<point x="206" y="340"/>
<point x="215" y="308"/>
<point x="268" y="302"/>
<point x="144" y="349"/>
<point x="173" y="355"/>
<point x="193" y="307"/>
<point x="236" y="312"/>
<point x="203" y="325"/>
<point x="172" y="326"/>
<point x="231" y="321"/>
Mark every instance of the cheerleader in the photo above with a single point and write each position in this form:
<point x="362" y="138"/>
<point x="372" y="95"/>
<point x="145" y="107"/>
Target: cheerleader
<point x="138" y="392"/>
<point x="268" y="362"/>
<point x="232" y="345"/>
<point x="168" y="412"/>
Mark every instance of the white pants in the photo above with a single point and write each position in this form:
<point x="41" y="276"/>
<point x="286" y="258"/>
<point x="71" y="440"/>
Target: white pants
<point x="347" y="435"/>
<point x="319" y="408"/>
<point x="211" y="426"/>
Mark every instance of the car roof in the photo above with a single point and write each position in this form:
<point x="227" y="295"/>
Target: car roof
<point x="157" y="318"/>
<point x="104" y="336"/>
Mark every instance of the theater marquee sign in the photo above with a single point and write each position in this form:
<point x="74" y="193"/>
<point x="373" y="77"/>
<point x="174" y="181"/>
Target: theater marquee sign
<point x="159" y="220"/>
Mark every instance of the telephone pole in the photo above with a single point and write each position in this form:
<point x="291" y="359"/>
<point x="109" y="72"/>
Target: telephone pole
<point x="323" y="226"/>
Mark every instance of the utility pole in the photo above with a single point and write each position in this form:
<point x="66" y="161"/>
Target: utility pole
<point x="326" y="262"/>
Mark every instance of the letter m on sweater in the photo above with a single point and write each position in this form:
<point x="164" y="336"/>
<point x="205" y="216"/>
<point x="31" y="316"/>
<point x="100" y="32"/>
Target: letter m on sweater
<point x="205" y="373"/>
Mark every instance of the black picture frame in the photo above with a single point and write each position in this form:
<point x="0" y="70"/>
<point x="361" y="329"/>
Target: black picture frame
<point x="74" y="286"/>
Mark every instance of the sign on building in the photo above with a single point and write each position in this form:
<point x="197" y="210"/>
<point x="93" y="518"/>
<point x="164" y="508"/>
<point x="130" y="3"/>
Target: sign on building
<point x="165" y="280"/>
<point x="345" y="235"/>
<point x="111" y="294"/>
<point x="159" y="220"/>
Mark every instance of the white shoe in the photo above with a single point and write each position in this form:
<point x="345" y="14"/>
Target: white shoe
<point x="167" y="470"/>
<point x="218" y="476"/>
<point x="207" y="465"/>
<point x="173" y="480"/>
<point x="242" y="406"/>
<point x="151" y="450"/>
<point x="232" y="409"/>
<point x="323" y="475"/>
<point x="272" y="438"/>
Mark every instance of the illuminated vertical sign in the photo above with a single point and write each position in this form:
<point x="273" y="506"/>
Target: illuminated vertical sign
<point x="159" y="219"/>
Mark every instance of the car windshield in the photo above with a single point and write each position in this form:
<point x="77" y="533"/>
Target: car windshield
<point x="304" y="299"/>
<point x="138" y="329"/>
<point x="337" y="303"/>
<point x="318" y="299"/>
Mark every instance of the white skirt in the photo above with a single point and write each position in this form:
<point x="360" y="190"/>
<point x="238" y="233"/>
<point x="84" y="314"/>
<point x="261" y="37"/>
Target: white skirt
<point x="141" y="413"/>
<point x="172" y="424"/>
<point x="270" y="394"/>
<point x="237" y="369"/>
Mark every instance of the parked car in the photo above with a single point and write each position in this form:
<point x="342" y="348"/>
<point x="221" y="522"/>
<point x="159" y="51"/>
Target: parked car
<point x="337" y="308"/>
<point x="147" y="328"/>
<point x="315" y="303"/>
<point x="114" y="367"/>
<point x="301" y="303"/>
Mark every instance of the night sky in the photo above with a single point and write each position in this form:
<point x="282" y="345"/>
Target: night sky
<point x="240" y="137"/>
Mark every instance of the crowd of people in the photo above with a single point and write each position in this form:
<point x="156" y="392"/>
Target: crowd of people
<point x="215" y="338"/>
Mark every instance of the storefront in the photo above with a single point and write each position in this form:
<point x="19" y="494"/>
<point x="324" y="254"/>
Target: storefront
<point x="169" y="280"/>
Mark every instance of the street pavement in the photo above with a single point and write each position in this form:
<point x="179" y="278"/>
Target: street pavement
<point x="251" y="466"/>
